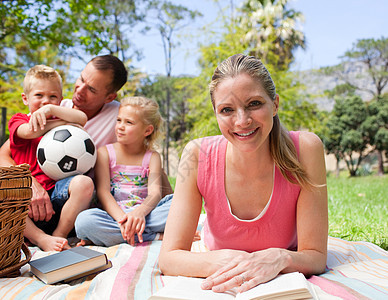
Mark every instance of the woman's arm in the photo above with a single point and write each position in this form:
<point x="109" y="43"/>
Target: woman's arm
<point x="175" y="256"/>
<point x="312" y="215"/>
<point x="312" y="230"/>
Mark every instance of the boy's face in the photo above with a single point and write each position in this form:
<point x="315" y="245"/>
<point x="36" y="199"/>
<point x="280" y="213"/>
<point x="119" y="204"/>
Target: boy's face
<point x="43" y="92"/>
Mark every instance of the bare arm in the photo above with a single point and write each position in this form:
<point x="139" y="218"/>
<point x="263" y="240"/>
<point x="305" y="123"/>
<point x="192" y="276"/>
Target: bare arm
<point x="40" y="121"/>
<point x="175" y="256"/>
<point x="102" y="174"/>
<point x="40" y="207"/>
<point x="69" y="115"/>
<point x="5" y="155"/>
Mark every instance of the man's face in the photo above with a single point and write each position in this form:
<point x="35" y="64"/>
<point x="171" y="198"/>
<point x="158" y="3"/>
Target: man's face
<point x="91" y="90"/>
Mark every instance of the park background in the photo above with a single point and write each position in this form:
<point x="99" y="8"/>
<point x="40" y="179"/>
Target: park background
<point x="329" y="61"/>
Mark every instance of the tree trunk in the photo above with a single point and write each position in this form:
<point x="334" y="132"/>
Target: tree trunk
<point x="168" y="127"/>
<point x="380" y="171"/>
<point x="337" y="167"/>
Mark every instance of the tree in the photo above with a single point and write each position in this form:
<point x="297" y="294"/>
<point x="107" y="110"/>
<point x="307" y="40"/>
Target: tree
<point x="271" y="30"/>
<point x="295" y="112"/>
<point x="373" y="56"/>
<point x="171" y="19"/>
<point x="348" y="131"/>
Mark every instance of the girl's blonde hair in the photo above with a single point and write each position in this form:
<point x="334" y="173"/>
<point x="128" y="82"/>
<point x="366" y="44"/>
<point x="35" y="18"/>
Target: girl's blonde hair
<point x="282" y="147"/>
<point x="40" y="72"/>
<point x="150" y="116"/>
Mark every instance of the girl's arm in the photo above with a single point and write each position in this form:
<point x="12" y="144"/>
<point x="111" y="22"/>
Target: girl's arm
<point x="312" y="231"/>
<point x="175" y="256"/>
<point x="102" y="174"/>
<point x="135" y="220"/>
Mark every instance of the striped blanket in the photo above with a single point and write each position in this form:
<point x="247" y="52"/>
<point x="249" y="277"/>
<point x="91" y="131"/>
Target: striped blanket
<point x="355" y="270"/>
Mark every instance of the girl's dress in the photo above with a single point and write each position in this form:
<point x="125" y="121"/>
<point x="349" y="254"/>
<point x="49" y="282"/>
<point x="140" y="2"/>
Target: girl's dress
<point x="129" y="187"/>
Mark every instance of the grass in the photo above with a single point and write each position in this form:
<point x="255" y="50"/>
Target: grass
<point x="358" y="208"/>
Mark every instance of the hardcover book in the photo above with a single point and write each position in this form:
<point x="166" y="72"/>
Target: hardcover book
<point x="69" y="265"/>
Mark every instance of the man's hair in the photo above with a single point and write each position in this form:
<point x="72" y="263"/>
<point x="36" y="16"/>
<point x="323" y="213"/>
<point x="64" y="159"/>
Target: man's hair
<point x="119" y="72"/>
<point x="39" y="72"/>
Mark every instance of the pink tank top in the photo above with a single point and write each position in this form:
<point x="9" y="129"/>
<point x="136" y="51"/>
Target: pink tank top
<point x="128" y="184"/>
<point x="275" y="227"/>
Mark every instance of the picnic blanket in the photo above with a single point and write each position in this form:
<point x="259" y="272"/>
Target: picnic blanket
<point x="355" y="270"/>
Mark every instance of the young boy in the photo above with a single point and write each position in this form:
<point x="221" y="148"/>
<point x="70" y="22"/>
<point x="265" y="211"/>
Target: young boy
<point x="69" y="196"/>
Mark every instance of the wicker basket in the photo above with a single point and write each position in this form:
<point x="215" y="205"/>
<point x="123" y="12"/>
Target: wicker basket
<point x="15" y="197"/>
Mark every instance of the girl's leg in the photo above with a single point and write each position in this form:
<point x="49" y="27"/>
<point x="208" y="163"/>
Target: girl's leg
<point x="97" y="226"/>
<point x="156" y="219"/>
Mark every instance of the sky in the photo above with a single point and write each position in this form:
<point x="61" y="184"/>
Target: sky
<point x="331" y="27"/>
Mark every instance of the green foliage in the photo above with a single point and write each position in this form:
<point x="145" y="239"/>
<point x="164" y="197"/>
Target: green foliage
<point x="357" y="208"/>
<point x="295" y="112"/>
<point x="373" y="54"/>
<point x="347" y="132"/>
<point x="271" y="31"/>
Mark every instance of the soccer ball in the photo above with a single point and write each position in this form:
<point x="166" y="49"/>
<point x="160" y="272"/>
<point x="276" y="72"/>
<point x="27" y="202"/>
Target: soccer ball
<point x="65" y="151"/>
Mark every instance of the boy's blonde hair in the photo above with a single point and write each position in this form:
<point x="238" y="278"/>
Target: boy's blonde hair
<point x="40" y="72"/>
<point x="151" y="116"/>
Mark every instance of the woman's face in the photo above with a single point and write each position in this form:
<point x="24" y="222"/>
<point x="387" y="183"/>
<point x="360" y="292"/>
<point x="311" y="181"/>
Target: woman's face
<point x="244" y="112"/>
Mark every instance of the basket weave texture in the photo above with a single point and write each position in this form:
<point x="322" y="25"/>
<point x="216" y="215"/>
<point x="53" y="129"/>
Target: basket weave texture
<point x="15" y="197"/>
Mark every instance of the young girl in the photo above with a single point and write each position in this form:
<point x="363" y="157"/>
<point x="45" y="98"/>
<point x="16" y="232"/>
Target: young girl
<point x="128" y="181"/>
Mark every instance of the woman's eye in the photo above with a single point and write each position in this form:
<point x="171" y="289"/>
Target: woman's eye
<point x="254" y="104"/>
<point x="226" y="110"/>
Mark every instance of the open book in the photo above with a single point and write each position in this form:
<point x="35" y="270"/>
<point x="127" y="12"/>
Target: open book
<point x="291" y="286"/>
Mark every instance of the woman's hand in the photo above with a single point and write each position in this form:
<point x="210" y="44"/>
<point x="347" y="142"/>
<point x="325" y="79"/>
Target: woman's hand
<point x="132" y="223"/>
<point x="246" y="270"/>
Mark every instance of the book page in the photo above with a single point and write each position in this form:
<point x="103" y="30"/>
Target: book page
<point x="284" y="285"/>
<point x="189" y="288"/>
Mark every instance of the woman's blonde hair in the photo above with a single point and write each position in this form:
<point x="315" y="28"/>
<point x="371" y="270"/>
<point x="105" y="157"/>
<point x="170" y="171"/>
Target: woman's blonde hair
<point x="282" y="147"/>
<point x="150" y="116"/>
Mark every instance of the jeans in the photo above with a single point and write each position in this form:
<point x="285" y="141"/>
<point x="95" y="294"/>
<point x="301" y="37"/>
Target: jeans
<point x="97" y="226"/>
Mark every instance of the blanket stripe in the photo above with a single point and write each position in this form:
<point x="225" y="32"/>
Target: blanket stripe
<point x="122" y="285"/>
<point x="355" y="270"/>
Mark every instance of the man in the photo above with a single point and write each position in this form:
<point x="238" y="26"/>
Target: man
<point x="94" y="92"/>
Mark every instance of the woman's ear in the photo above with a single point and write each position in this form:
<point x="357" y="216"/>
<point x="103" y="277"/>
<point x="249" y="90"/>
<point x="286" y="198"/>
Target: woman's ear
<point x="149" y="130"/>
<point x="275" y="105"/>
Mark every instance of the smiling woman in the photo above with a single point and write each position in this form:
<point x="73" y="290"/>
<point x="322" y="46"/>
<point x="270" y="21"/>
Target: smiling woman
<point x="264" y="190"/>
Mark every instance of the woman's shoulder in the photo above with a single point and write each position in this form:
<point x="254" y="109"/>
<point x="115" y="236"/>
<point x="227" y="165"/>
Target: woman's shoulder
<point x="310" y="146"/>
<point x="309" y="139"/>
<point x="196" y="144"/>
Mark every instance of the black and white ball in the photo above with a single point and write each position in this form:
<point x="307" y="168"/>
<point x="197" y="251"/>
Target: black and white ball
<point x="65" y="151"/>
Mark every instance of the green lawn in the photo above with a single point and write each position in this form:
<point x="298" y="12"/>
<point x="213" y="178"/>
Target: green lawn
<point x="358" y="208"/>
